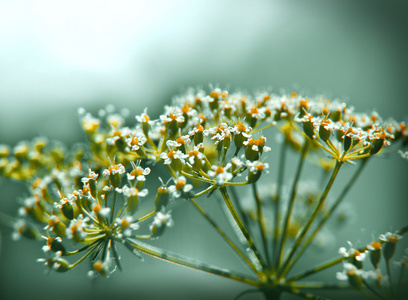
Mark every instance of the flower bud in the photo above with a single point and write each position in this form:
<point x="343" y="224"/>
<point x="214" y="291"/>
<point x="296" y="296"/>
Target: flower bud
<point x="308" y="129"/>
<point x="4" y="151"/>
<point x="255" y="172"/>
<point x="376" y="146"/>
<point x="162" y="198"/>
<point x="100" y="268"/>
<point x="346" y="143"/>
<point x="56" y="245"/>
<point x="214" y="101"/>
<point x="303" y="108"/>
<point x="199" y="135"/>
<point x="335" y="115"/>
<point x="239" y="137"/>
<point x="27" y="232"/>
<point x="161" y="221"/>
<point x="146" y="125"/>
<point x="324" y="134"/>
<point x="176" y="165"/>
<point x="157" y="230"/>
<point x="21" y="151"/>
<point x="356" y="259"/>
<point x="355" y="280"/>
<point x="389" y="247"/>
<point x="253" y="176"/>
<point x="115" y="180"/>
<point x="227" y="141"/>
<point x="57" y="226"/>
<point x="68" y="210"/>
<point x="58" y="264"/>
<point x="36" y="212"/>
<point x="132" y="203"/>
<point x="91" y="185"/>
<point x="375" y="253"/>
<point x="378" y="143"/>
<point x="251" y="150"/>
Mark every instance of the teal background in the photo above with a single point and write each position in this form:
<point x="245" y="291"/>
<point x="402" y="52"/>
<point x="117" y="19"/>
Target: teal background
<point x="56" y="56"/>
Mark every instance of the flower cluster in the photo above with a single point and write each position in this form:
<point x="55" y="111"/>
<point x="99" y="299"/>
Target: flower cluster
<point x="377" y="283"/>
<point x="88" y="197"/>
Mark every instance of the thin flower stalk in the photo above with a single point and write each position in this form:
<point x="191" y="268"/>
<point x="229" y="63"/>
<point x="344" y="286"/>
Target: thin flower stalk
<point x="327" y="215"/>
<point x="224" y="236"/>
<point x="261" y="223"/>
<point x="291" y="202"/>
<point x="186" y="262"/>
<point x="281" y="174"/>
<point x="241" y="226"/>
<point x="303" y="233"/>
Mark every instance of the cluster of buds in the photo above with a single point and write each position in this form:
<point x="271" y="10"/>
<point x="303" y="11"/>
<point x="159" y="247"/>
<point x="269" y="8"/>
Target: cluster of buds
<point x="90" y="195"/>
<point x="358" y="275"/>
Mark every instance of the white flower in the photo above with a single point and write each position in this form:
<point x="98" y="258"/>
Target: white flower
<point x="132" y="191"/>
<point x="126" y="225"/>
<point x="256" y="166"/>
<point x="139" y="173"/>
<point x="91" y="176"/>
<point x="76" y="228"/>
<point x="143" y="118"/>
<point x="162" y="219"/>
<point x="221" y="174"/>
<point x="181" y="187"/>
<point x="171" y="155"/>
<point x="114" y="169"/>
<point x="359" y="256"/>
<point x="347" y="268"/>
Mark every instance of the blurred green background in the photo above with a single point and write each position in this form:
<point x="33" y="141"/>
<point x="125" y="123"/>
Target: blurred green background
<point x="56" y="56"/>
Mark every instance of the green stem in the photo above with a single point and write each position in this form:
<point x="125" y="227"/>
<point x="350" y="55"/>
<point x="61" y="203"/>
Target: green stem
<point x="209" y="189"/>
<point x="238" y="204"/>
<point x="281" y="175"/>
<point x="85" y="256"/>
<point x="233" y="246"/>
<point x="330" y="212"/>
<point x="303" y="233"/>
<point x="197" y="177"/>
<point x="69" y="253"/>
<point x="146" y="216"/>
<point x="261" y="223"/>
<point x="291" y="202"/>
<point x="113" y="205"/>
<point x="321" y="286"/>
<point x="184" y="261"/>
<point x="317" y="269"/>
<point x="241" y="226"/>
